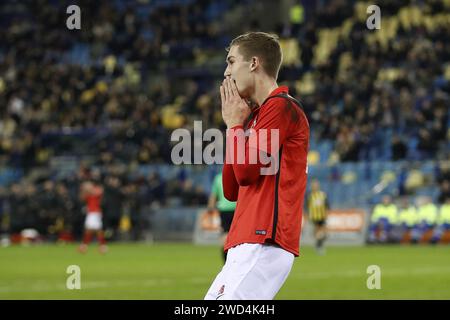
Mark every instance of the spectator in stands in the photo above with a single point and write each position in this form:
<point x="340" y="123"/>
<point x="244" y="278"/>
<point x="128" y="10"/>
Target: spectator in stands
<point x="398" y="148"/>
<point x="66" y="210"/>
<point x="444" y="192"/>
<point x="47" y="208"/>
<point x="407" y="219"/>
<point x="131" y="208"/>
<point x="191" y="195"/>
<point x="443" y="222"/>
<point x="4" y="216"/>
<point x="24" y="207"/>
<point x="17" y="216"/>
<point x="113" y="200"/>
<point x="156" y="189"/>
<point x="296" y="18"/>
<point x="58" y="94"/>
<point x="427" y="218"/>
<point x="384" y="216"/>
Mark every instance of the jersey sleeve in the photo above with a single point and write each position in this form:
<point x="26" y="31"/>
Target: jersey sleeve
<point x="262" y="143"/>
<point x="273" y="125"/>
<point x="229" y="182"/>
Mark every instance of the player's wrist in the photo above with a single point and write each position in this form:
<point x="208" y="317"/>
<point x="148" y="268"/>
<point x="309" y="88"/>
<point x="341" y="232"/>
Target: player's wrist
<point x="235" y="125"/>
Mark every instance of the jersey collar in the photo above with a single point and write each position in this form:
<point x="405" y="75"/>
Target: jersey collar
<point x="280" y="89"/>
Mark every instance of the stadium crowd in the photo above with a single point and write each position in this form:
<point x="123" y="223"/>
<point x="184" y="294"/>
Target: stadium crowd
<point x="114" y="91"/>
<point x="126" y="91"/>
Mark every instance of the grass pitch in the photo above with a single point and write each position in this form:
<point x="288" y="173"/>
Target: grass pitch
<point x="184" y="271"/>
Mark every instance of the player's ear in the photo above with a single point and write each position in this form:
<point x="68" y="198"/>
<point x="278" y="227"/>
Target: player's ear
<point x="254" y="63"/>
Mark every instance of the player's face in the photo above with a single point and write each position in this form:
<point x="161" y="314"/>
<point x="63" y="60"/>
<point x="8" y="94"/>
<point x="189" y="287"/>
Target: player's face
<point x="240" y="71"/>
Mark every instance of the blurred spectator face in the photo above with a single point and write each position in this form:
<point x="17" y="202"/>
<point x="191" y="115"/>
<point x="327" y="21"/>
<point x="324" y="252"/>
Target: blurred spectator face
<point x="188" y="185"/>
<point x="61" y="189"/>
<point x="96" y="176"/>
<point x="30" y="189"/>
<point x="48" y="186"/>
<point x="315" y="185"/>
<point x="405" y="202"/>
<point x="386" y="200"/>
<point x="16" y="189"/>
<point x="427" y="200"/>
<point x="114" y="182"/>
<point x="83" y="173"/>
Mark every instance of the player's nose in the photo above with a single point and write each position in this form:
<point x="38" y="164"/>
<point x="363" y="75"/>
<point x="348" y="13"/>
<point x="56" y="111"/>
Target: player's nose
<point x="226" y="73"/>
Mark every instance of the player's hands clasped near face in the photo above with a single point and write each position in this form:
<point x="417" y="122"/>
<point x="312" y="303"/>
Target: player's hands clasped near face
<point x="235" y="110"/>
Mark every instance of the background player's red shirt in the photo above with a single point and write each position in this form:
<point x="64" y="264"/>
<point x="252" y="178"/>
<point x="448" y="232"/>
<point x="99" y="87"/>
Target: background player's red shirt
<point x="269" y="207"/>
<point x="94" y="200"/>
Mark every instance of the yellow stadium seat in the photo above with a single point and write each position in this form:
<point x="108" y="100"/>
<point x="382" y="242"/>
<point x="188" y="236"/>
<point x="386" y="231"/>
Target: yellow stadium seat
<point x="313" y="157"/>
<point x="291" y="52"/>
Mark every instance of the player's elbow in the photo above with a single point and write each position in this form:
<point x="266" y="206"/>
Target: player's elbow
<point x="230" y="196"/>
<point x="244" y="182"/>
<point x="246" y="179"/>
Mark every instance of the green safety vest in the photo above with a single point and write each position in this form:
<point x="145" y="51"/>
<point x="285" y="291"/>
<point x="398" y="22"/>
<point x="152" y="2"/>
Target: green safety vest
<point x="444" y="217"/>
<point x="428" y="213"/>
<point x="408" y="216"/>
<point x="381" y="211"/>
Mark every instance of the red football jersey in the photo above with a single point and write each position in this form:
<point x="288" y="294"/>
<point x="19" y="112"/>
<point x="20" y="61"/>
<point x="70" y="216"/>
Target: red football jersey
<point x="94" y="200"/>
<point x="269" y="207"/>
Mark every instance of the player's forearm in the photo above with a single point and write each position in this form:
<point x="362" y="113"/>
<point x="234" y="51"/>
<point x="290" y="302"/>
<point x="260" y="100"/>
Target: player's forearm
<point x="246" y="170"/>
<point x="246" y="174"/>
<point x="230" y="185"/>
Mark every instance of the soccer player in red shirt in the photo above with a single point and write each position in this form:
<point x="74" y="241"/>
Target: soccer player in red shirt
<point x="262" y="120"/>
<point x="92" y="194"/>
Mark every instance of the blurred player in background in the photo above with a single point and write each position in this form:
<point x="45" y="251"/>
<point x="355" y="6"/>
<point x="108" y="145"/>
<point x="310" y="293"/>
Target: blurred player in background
<point x="92" y="193"/>
<point x="225" y="207"/>
<point x="265" y="232"/>
<point x="318" y="207"/>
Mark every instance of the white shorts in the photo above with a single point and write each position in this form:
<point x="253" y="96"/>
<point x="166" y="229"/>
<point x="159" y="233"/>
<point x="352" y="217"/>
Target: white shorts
<point x="252" y="272"/>
<point x="93" y="221"/>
